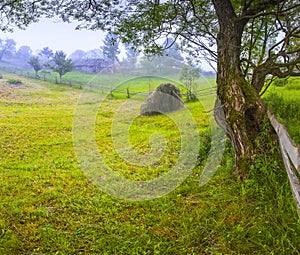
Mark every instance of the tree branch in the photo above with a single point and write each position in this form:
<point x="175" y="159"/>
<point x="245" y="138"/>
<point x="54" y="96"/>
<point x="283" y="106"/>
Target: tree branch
<point x="260" y="10"/>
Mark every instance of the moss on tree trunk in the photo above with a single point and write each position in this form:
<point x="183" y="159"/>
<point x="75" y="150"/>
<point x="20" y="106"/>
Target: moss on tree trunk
<point x="244" y="115"/>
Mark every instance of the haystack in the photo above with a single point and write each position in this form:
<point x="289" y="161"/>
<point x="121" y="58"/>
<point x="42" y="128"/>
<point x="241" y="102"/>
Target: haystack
<point x="166" y="98"/>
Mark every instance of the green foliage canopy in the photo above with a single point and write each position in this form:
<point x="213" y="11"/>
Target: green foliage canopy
<point x="21" y="13"/>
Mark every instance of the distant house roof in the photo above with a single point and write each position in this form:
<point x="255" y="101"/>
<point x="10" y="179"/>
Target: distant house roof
<point x="92" y="65"/>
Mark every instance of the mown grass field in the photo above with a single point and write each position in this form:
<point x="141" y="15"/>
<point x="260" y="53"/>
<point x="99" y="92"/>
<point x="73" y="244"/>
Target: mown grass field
<point x="49" y="206"/>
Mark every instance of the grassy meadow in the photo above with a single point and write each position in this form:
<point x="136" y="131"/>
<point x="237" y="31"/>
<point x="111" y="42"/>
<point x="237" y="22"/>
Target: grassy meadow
<point x="135" y="83"/>
<point x="49" y="206"/>
<point x="284" y="101"/>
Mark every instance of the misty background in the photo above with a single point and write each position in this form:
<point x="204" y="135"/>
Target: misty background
<point x="60" y="36"/>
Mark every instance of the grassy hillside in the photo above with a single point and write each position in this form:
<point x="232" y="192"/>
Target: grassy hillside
<point x="48" y="205"/>
<point x="119" y="81"/>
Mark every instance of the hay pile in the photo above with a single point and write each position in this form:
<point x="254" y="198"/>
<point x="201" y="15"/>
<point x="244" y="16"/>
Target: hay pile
<point x="166" y="98"/>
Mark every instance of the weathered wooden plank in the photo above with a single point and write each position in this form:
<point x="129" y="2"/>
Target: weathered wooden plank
<point x="289" y="146"/>
<point x="290" y="153"/>
<point x="294" y="181"/>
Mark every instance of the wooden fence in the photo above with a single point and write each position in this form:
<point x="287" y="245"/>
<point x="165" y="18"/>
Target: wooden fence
<point x="291" y="157"/>
<point x="47" y="76"/>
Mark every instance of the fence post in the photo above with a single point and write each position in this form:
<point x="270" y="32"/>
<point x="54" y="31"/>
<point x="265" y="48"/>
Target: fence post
<point x="128" y="93"/>
<point x="44" y="77"/>
<point x="111" y="91"/>
<point x="70" y="83"/>
<point x="56" y="80"/>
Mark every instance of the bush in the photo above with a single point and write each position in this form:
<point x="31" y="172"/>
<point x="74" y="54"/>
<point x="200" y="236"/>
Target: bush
<point x="14" y="81"/>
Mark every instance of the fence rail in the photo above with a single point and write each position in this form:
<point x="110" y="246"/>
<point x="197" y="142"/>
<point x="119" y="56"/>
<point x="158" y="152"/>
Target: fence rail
<point x="291" y="157"/>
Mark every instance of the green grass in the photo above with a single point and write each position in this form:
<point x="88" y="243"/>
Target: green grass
<point x="145" y="83"/>
<point x="103" y="80"/>
<point x="48" y="206"/>
<point x="285" y="104"/>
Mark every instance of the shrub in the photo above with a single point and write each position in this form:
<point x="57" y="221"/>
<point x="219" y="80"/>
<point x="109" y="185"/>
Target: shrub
<point x="14" y="81"/>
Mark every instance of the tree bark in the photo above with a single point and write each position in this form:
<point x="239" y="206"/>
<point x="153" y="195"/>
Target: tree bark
<point x="244" y="111"/>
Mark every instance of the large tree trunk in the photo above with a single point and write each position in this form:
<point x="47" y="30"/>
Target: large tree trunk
<point x="243" y="109"/>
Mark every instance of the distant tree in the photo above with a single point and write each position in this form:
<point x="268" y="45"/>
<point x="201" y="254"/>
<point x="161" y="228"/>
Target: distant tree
<point x="111" y="47"/>
<point x="46" y="55"/>
<point x="160" y="65"/>
<point x="148" y="67"/>
<point x="36" y="64"/>
<point x="131" y="52"/>
<point x="61" y="64"/>
<point x="7" y="48"/>
<point x="189" y="73"/>
<point x="24" y="53"/>
<point x="129" y="62"/>
<point x="46" y="51"/>
<point x="78" y="54"/>
<point x="168" y="62"/>
<point x="95" y="53"/>
<point x="171" y="49"/>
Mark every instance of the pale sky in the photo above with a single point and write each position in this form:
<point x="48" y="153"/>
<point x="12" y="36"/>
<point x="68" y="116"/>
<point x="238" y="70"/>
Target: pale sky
<point x="57" y="36"/>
